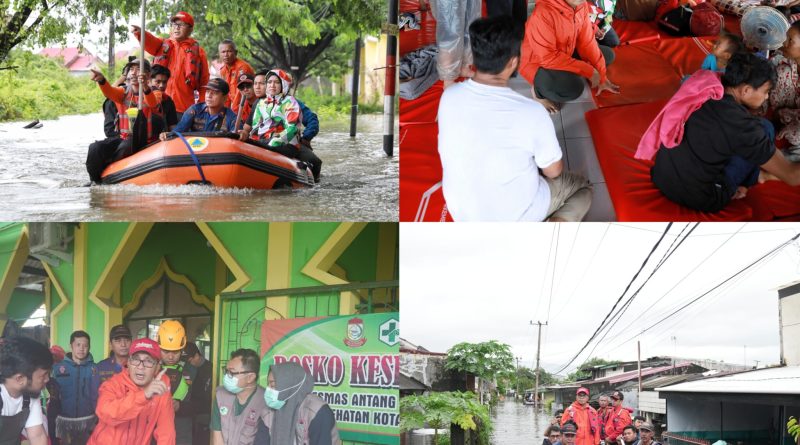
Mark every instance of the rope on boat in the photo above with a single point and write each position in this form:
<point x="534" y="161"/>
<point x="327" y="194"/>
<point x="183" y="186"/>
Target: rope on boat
<point x="194" y="157"/>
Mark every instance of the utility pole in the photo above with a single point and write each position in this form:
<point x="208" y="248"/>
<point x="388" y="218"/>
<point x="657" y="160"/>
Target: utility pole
<point x="639" y="363"/>
<point x="538" y="347"/>
<point x="354" y="92"/>
<point x="390" y="89"/>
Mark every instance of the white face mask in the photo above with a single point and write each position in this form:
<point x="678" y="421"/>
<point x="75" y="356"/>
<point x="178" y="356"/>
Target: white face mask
<point x="271" y="395"/>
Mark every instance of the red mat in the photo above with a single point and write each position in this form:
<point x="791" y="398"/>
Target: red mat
<point x="643" y="75"/>
<point x="616" y="132"/>
<point x="631" y="30"/>
<point x="685" y="54"/>
<point x="420" y="172"/>
<point x="423" y="108"/>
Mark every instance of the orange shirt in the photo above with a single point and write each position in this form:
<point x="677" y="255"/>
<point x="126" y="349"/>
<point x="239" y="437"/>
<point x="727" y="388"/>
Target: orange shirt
<point x="181" y="93"/>
<point x="231" y="75"/>
<point x="552" y="34"/>
<point x="125" y="416"/>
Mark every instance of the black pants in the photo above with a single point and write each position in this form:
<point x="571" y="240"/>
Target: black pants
<point x="305" y="154"/>
<point x="102" y="153"/>
<point x="563" y="86"/>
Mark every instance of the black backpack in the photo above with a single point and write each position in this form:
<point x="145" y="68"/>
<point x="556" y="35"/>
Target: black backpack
<point x="677" y="22"/>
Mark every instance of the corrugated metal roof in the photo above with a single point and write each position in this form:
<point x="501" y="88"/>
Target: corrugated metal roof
<point x="780" y="380"/>
<point x="664" y="380"/>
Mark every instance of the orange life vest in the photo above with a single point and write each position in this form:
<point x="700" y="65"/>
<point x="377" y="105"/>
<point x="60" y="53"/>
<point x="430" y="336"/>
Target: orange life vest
<point x="132" y="101"/>
<point x="192" y="67"/>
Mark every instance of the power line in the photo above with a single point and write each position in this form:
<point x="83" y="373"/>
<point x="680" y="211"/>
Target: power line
<point x="544" y="276"/>
<point x="650" y="254"/>
<point x="671" y="250"/>
<point x="681" y="280"/>
<point x="746" y="268"/>
<point x="585" y="271"/>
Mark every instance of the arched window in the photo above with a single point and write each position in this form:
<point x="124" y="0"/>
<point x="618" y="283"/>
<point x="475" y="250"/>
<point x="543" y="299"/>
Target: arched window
<point x="170" y="300"/>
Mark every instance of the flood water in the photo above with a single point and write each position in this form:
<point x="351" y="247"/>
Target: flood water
<point x="42" y="172"/>
<point x="518" y="424"/>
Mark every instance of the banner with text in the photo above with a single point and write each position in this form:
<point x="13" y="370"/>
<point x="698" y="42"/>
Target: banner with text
<point x="355" y="363"/>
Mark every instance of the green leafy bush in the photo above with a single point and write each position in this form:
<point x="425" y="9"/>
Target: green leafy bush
<point x="794" y="428"/>
<point x="333" y="107"/>
<point x="441" y="409"/>
<point x="40" y="88"/>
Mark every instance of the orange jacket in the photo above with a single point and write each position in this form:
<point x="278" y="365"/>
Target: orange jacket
<point x="182" y="93"/>
<point x="553" y="33"/>
<point x="583" y="416"/>
<point x="618" y="419"/>
<point x="231" y="75"/>
<point x="125" y="416"/>
<point x="125" y="99"/>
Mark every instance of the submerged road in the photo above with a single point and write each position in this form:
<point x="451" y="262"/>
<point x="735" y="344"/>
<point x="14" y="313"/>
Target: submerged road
<point x="42" y="172"/>
<point x="518" y="424"/>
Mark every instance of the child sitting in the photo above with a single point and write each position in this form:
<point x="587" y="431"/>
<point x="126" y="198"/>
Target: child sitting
<point x="716" y="160"/>
<point x="784" y="99"/>
<point x="724" y="48"/>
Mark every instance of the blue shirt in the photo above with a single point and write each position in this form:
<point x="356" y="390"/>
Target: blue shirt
<point x="197" y="118"/>
<point x="310" y="121"/>
<point x="710" y="63"/>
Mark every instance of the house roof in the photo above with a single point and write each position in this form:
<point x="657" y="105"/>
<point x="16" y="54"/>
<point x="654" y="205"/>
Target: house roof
<point x="625" y="376"/>
<point x="778" y="380"/>
<point x="74" y="58"/>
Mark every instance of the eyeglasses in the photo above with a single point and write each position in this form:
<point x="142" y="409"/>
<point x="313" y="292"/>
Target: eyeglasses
<point x="135" y="362"/>
<point x="230" y="373"/>
<point x="569" y="434"/>
<point x="555" y="436"/>
<point x="583" y="395"/>
<point x="179" y="25"/>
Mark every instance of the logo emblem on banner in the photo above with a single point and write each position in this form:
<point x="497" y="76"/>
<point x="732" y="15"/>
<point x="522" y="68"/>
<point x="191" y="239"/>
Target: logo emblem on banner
<point x="355" y="333"/>
<point x="389" y="332"/>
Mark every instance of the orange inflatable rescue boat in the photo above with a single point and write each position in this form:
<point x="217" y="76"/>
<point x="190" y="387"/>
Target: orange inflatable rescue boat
<point x="218" y="159"/>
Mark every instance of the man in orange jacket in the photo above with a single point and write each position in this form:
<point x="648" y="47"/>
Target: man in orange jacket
<point x="557" y="32"/>
<point x="232" y="69"/>
<point x="135" y="407"/>
<point x="184" y="58"/>
<point x="585" y="417"/>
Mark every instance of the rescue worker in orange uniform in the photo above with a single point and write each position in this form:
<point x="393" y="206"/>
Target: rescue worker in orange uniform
<point x="618" y="418"/>
<point x="585" y="417"/>
<point x="232" y="70"/>
<point x="102" y="153"/>
<point x="184" y="58"/>
<point x="135" y="407"/>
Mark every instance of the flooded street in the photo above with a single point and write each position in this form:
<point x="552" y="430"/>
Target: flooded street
<point x="518" y="424"/>
<point x="42" y="172"/>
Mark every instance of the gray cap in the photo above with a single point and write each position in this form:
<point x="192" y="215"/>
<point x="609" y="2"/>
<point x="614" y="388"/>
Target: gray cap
<point x="646" y="426"/>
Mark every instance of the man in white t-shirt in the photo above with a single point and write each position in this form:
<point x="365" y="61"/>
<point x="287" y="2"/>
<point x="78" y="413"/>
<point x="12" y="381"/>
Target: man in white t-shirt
<point x="24" y="371"/>
<point x="493" y="142"/>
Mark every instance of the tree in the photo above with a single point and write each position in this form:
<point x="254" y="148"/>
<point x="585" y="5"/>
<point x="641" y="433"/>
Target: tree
<point x="487" y="360"/>
<point x="527" y="378"/>
<point x="44" y="22"/>
<point x="441" y="409"/>
<point x="793" y="428"/>
<point x="294" y="35"/>
<point x="583" y="372"/>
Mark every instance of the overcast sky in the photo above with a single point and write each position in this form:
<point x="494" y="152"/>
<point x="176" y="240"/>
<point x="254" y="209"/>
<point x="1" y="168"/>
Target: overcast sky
<point x="478" y="282"/>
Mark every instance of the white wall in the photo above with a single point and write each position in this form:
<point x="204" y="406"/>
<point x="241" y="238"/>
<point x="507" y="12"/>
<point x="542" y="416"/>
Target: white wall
<point x="651" y="403"/>
<point x="790" y="328"/>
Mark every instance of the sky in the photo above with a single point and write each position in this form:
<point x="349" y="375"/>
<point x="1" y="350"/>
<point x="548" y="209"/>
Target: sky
<point x="480" y="282"/>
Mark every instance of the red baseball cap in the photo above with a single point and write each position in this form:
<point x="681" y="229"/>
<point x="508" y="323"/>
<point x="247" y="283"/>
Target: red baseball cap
<point x="582" y="390"/>
<point x="58" y="353"/>
<point x="146" y="345"/>
<point x="183" y="16"/>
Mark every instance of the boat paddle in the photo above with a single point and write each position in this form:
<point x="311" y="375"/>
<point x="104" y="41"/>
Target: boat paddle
<point x="239" y="114"/>
<point x="139" y="128"/>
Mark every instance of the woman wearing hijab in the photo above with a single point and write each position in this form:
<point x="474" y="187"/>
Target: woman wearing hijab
<point x="299" y="417"/>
